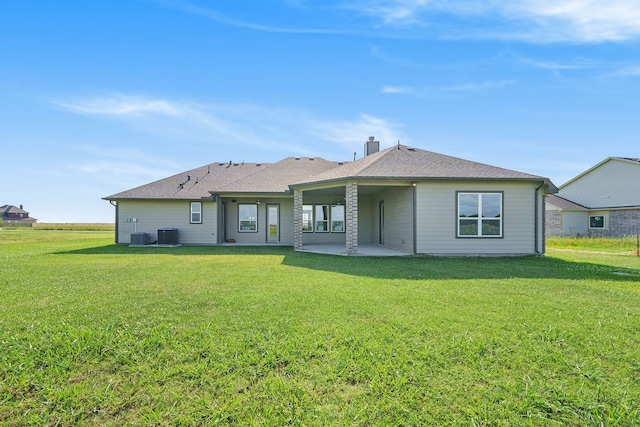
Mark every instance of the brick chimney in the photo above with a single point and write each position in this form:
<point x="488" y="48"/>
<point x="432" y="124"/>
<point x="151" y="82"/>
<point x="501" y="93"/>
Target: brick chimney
<point x="371" y="146"/>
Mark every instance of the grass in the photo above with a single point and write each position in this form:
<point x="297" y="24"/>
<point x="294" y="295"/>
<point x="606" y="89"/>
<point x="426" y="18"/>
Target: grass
<point x="93" y="333"/>
<point x="62" y="226"/>
<point x="68" y="226"/>
<point x="595" y="244"/>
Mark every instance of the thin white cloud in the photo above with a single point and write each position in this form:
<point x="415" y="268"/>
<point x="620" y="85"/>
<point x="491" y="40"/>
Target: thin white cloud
<point x="353" y="133"/>
<point x="121" y="105"/>
<point x="477" y="87"/>
<point x="627" y="71"/>
<point x="398" y="90"/>
<point x="424" y="91"/>
<point x="542" y="21"/>
<point x="560" y="65"/>
<point x="214" y="15"/>
<point x="397" y="12"/>
<point x="532" y="20"/>
<point x="278" y="129"/>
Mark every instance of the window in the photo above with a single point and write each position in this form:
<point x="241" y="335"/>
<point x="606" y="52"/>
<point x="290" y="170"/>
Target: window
<point x="322" y="218"/>
<point x="247" y="218"/>
<point x="337" y="219"/>
<point x="196" y="213"/>
<point x="596" y="221"/>
<point x="479" y="214"/>
<point x="307" y="218"/>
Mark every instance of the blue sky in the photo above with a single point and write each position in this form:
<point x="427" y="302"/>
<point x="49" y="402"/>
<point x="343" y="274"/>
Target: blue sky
<point x="101" y="96"/>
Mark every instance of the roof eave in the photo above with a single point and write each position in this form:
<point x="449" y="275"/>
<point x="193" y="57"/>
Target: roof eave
<point x="550" y="187"/>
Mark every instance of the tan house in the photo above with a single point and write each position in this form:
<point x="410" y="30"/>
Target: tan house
<point x="402" y="198"/>
<point x="603" y="200"/>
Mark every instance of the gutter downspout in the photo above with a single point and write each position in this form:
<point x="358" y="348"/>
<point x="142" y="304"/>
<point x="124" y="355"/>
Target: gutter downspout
<point x="115" y="204"/>
<point x="537" y="215"/>
<point x="415" y="218"/>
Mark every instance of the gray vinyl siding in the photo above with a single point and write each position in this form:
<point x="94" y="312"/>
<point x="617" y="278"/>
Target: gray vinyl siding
<point x="398" y="221"/>
<point x="365" y="220"/>
<point x="575" y="223"/>
<point x="259" y="237"/>
<point x="614" y="183"/>
<point x="153" y="215"/>
<point x="436" y="219"/>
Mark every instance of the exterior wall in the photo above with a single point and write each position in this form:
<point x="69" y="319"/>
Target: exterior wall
<point x="598" y="231"/>
<point x="575" y="223"/>
<point x="624" y="222"/>
<point x="614" y="183"/>
<point x="313" y="238"/>
<point x="365" y="220"/>
<point x="259" y="237"/>
<point x="152" y="215"/>
<point x="553" y="223"/>
<point x="437" y="219"/>
<point x="398" y="221"/>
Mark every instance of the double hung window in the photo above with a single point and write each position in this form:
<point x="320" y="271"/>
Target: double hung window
<point x="307" y="218"/>
<point x="248" y="218"/>
<point x="337" y="218"/>
<point x="322" y="218"/>
<point x="196" y="213"/>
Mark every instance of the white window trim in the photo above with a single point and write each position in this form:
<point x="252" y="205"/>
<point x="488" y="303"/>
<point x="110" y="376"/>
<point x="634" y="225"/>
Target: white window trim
<point x="326" y="222"/>
<point x="343" y="220"/>
<point x="254" y="220"/>
<point x="480" y="218"/>
<point x="312" y="222"/>
<point x="193" y="212"/>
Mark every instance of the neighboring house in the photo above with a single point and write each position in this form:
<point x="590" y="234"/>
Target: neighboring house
<point x="13" y="214"/>
<point x="408" y="199"/>
<point x="604" y="200"/>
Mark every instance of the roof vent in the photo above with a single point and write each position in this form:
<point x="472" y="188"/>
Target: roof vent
<point x="371" y="146"/>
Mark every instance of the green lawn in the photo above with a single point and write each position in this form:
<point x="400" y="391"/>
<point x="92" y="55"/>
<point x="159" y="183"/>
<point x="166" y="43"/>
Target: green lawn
<point x="97" y="334"/>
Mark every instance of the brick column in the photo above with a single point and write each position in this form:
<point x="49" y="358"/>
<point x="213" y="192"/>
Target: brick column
<point x="297" y="219"/>
<point x="351" y="196"/>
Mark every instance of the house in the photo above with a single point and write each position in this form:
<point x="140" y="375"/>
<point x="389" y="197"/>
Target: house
<point x="404" y="198"/>
<point x="603" y="200"/>
<point x="13" y="214"/>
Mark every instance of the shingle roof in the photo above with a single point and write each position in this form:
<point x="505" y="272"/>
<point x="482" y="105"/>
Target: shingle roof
<point x="398" y="162"/>
<point x="564" y="204"/>
<point x="7" y="209"/>
<point x="403" y="162"/>
<point x="192" y="184"/>
<point x="276" y="177"/>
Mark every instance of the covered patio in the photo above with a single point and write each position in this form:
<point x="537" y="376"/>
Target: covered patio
<point x="363" y="250"/>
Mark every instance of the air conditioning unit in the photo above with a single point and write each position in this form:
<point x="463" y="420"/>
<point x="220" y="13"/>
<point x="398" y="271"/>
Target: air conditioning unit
<point x="140" y="238"/>
<point x="168" y="236"/>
